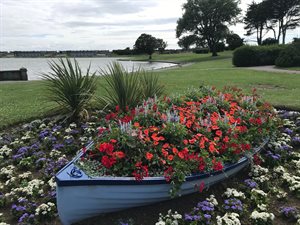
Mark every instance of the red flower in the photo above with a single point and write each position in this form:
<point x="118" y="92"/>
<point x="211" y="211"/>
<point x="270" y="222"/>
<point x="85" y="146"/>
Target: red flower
<point x="217" y="166"/>
<point x="107" y="148"/>
<point x="257" y="160"/>
<point x="140" y="172"/>
<point x="168" y="173"/>
<point x="108" y="162"/>
<point x="149" y="156"/>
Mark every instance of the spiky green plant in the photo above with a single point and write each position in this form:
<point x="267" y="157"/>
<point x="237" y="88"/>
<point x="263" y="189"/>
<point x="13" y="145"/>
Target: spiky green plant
<point x="69" y="87"/>
<point x="150" y="86"/>
<point x="128" y="89"/>
<point x="122" y="87"/>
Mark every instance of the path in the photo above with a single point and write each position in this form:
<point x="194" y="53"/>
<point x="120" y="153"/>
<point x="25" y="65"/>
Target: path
<point x="272" y="69"/>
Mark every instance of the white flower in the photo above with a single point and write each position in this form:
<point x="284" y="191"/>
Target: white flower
<point x="7" y="171"/>
<point x="231" y="192"/>
<point x="158" y="223"/>
<point x="212" y="200"/>
<point x="262" y="216"/>
<point x="262" y="207"/>
<point x="229" y="219"/>
<point x="259" y="192"/>
<point x="2" y="223"/>
<point x="45" y="209"/>
<point x="279" y="169"/>
<point x="73" y="125"/>
<point x="52" y="183"/>
<point x="5" y="151"/>
<point x="25" y="175"/>
<point x="55" y="153"/>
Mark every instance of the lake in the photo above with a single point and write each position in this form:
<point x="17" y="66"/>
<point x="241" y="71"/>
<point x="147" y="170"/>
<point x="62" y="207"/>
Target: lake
<point x="36" y="66"/>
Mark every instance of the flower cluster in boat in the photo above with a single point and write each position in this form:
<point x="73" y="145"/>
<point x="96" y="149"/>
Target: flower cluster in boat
<point x="200" y="131"/>
<point x="271" y="182"/>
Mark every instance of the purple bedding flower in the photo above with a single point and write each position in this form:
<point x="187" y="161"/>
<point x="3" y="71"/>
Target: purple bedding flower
<point x="250" y="183"/>
<point x="289" y="211"/>
<point x="58" y="146"/>
<point x="288" y="131"/>
<point x="233" y="204"/>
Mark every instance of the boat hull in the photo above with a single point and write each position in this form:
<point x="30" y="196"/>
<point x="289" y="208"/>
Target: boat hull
<point x="82" y="197"/>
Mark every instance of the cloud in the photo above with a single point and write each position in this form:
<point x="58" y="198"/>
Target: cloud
<point x="162" y="21"/>
<point x="99" y="8"/>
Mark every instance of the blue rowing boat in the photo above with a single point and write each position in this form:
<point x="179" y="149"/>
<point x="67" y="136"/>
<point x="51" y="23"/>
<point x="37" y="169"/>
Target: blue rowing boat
<point x="80" y="197"/>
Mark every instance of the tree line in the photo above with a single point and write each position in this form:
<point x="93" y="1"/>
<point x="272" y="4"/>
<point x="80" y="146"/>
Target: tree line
<point x="205" y="23"/>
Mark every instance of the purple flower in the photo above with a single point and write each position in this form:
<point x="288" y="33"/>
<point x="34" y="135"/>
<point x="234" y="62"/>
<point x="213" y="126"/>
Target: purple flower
<point x="69" y="140"/>
<point x="288" y="131"/>
<point x="250" y="183"/>
<point x="23" y="217"/>
<point x="43" y="134"/>
<point x="56" y="128"/>
<point x="273" y="156"/>
<point x="233" y="204"/>
<point x="58" y="146"/>
<point x="296" y="139"/>
<point x="289" y="211"/>
<point x="23" y="150"/>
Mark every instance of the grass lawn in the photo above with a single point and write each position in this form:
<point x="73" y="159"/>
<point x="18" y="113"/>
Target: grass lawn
<point x="292" y="68"/>
<point x="23" y="101"/>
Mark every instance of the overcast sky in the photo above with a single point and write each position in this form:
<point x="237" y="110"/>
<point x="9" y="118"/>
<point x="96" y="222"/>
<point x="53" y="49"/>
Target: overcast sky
<point x="91" y="24"/>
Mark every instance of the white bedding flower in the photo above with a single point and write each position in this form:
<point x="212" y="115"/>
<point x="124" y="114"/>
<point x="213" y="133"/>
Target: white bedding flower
<point x="45" y="209"/>
<point x="262" y="216"/>
<point x="257" y="171"/>
<point x="259" y="192"/>
<point x="212" y="200"/>
<point x="5" y="151"/>
<point x="229" y="219"/>
<point x="7" y="171"/>
<point x="25" y="175"/>
<point x="262" y="207"/>
<point x="52" y="183"/>
<point x="231" y="192"/>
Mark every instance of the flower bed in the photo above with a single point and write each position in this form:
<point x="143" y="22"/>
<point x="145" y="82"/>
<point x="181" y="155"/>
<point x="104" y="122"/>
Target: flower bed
<point x="31" y="154"/>
<point x="175" y="137"/>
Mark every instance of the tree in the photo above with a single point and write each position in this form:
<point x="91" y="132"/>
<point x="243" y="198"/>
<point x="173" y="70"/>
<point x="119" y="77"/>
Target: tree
<point x="285" y="15"/>
<point x="207" y="19"/>
<point x="234" y="41"/>
<point x="186" y="41"/>
<point x="146" y="43"/>
<point x="256" y="20"/>
<point x="161" y="45"/>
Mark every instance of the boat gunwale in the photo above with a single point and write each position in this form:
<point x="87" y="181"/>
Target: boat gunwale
<point x="109" y="180"/>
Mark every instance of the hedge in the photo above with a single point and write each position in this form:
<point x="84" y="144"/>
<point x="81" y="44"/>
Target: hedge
<point x="290" y="56"/>
<point x="256" y="55"/>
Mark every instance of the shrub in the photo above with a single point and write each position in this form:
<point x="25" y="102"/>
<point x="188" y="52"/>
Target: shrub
<point x="245" y="56"/>
<point x="127" y="89"/>
<point x="256" y="55"/>
<point x="201" y="50"/>
<point x="69" y="87"/>
<point x="270" y="41"/>
<point x="290" y="56"/>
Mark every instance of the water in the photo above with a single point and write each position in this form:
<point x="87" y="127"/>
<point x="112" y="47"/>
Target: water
<point x="36" y="66"/>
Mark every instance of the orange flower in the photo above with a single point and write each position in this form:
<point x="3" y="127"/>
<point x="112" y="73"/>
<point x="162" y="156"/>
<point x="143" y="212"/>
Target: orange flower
<point x="219" y="133"/>
<point x="119" y="154"/>
<point x="149" y="156"/>
<point x="164" y="152"/>
<point x="175" y="151"/>
<point x="170" y="157"/>
<point x="212" y="148"/>
<point x="181" y="155"/>
<point x="136" y="124"/>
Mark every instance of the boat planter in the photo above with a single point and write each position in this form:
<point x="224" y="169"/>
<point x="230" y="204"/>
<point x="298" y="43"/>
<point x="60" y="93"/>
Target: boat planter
<point x="80" y="196"/>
